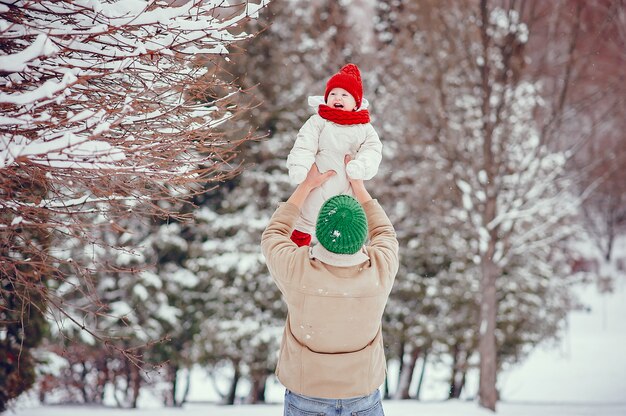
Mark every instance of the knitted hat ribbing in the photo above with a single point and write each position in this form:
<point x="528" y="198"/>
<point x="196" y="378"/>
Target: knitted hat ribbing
<point x="341" y="225"/>
<point x="348" y="78"/>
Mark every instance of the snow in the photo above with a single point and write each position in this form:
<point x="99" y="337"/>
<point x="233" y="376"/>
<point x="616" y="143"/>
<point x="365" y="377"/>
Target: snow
<point x="120" y="308"/>
<point x="183" y="277"/>
<point x="102" y="41"/>
<point x="391" y="408"/>
<point x="584" y="375"/>
<point x="16" y="62"/>
<point x="169" y="313"/>
<point x="588" y="366"/>
<point x="49" y="89"/>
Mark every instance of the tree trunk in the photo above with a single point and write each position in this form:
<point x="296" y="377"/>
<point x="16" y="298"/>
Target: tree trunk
<point x="136" y="384"/>
<point x="487" y="344"/>
<point x="422" y="372"/>
<point x="187" y="388"/>
<point x="103" y="378"/>
<point x="83" y="383"/>
<point x="387" y="396"/>
<point x="489" y="270"/>
<point x="453" y="371"/>
<point x="170" y="399"/>
<point x="400" y="368"/>
<point x="461" y="384"/>
<point x="459" y="370"/>
<point x="257" y="389"/>
<point x="230" y="399"/>
<point x="457" y="384"/>
<point x="406" y="376"/>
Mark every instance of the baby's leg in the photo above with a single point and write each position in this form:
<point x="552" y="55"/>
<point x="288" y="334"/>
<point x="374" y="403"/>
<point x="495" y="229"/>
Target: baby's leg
<point x="303" y="230"/>
<point x="309" y="211"/>
<point x="300" y="238"/>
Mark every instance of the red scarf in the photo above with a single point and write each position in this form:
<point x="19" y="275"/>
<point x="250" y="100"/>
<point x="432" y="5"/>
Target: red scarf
<point x="339" y="116"/>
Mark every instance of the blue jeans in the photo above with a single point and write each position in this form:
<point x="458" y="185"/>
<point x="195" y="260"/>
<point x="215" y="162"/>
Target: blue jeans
<point x="298" y="405"/>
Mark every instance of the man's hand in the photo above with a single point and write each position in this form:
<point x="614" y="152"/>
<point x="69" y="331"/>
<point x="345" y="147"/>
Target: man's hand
<point x="313" y="179"/>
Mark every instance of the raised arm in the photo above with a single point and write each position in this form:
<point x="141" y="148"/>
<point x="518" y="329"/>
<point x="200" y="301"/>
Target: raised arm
<point x="313" y="179"/>
<point x="276" y="244"/>
<point x="383" y="246"/>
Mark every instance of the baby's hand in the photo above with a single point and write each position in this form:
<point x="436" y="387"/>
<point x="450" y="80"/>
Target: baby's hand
<point x="360" y="193"/>
<point x="297" y="174"/>
<point x="355" y="169"/>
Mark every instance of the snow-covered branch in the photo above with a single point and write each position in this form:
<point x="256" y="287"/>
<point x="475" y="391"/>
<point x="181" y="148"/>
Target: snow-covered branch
<point x="110" y="108"/>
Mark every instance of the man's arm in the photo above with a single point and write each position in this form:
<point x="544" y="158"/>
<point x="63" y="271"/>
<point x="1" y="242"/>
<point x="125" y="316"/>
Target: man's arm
<point x="383" y="241"/>
<point x="313" y="180"/>
<point x="277" y="247"/>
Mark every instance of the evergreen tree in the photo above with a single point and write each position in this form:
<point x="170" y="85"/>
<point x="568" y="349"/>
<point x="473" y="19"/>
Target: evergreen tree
<point x="290" y="60"/>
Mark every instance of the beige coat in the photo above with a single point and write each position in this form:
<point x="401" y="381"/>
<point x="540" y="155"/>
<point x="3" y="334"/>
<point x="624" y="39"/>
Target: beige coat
<point x="332" y="346"/>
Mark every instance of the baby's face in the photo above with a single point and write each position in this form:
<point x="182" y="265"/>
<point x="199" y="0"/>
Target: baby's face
<point x="341" y="99"/>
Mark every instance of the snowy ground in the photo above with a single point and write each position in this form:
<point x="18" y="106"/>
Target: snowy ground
<point x="392" y="408"/>
<point x="584" y="375"/>
<point x="588" y="366"/>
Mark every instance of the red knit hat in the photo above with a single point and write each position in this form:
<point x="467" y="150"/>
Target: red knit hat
<point x="348" y="78"/>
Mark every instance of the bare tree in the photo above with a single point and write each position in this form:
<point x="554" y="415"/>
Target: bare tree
<point x="600" y="164"/>
<point x="494" y="95"/>
<point x="108" y="110"/>
<point x="541" y="183"/>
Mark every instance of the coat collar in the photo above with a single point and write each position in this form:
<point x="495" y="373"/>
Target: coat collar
<point x="341" y="260"/>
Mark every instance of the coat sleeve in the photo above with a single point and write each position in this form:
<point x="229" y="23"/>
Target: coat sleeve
<point x="306" y="145"/>
<point x="370" y="153"/>
<point x="383" y="247"/>
<point x="280" y="252"/>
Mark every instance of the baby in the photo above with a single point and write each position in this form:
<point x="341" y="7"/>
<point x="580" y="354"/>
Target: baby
<point x="341" y="127"/>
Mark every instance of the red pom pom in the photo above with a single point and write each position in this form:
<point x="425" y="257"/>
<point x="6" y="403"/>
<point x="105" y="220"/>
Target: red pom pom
<point x="352" y="70"/>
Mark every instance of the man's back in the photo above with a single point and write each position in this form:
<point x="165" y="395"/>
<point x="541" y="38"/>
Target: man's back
<point x="332" y="345"/>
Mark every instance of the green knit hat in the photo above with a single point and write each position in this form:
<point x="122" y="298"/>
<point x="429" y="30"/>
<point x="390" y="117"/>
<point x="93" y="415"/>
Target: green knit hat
<point x="341" y="225"/>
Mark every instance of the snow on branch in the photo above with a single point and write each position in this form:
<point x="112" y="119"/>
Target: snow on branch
<point x="72" y="71"/>
<point x="107" y="107"/>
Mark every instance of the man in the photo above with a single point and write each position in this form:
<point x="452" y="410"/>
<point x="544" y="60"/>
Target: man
<point x="332" y="357"/>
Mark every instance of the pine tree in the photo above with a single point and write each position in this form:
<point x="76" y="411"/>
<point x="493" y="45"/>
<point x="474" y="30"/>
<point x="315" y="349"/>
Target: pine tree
<point x="289" y="61"/>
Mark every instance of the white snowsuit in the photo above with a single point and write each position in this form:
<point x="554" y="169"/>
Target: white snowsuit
<point x="326" y="143"/>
